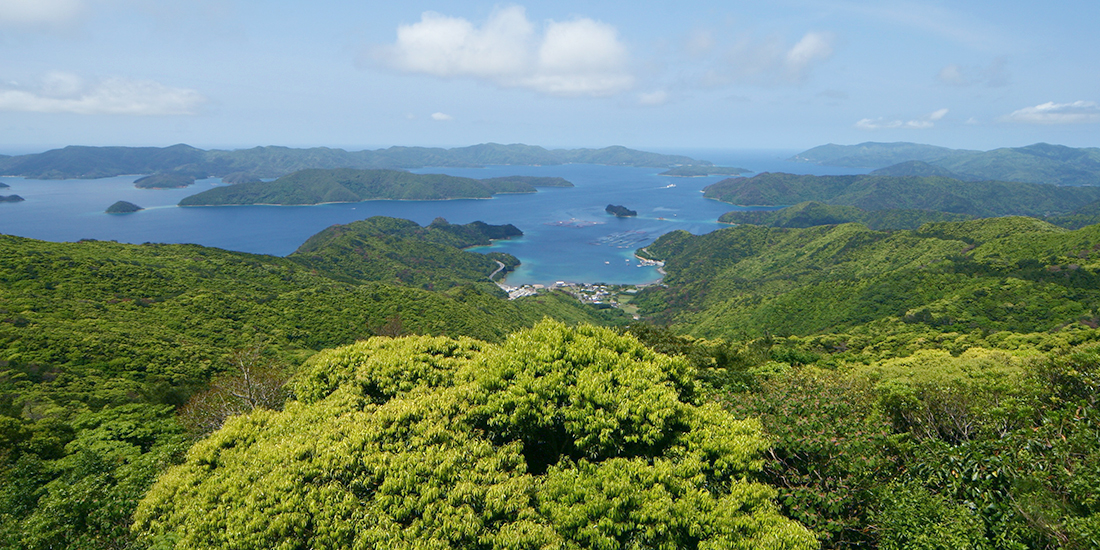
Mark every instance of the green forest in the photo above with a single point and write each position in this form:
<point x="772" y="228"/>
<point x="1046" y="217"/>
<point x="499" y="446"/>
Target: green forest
<point x="925" y="382"/>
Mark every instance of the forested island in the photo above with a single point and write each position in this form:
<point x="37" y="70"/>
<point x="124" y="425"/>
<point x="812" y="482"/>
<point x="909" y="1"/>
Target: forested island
<point x="317" y="186"/>
<point x="620" y="211"/>
<point x="123" y="207"/>
<point x="164" y="180"/>
<point x="11" y="198"/>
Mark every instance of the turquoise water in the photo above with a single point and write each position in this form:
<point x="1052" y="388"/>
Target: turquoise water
<point x="567" y="234"/>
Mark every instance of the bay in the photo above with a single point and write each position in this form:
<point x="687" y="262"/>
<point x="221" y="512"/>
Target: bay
<point x="567" y="234"/>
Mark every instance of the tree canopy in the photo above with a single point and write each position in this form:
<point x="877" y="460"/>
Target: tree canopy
<point x="557" y="438"/>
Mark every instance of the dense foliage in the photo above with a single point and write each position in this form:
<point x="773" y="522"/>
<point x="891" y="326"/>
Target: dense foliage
<point x="1015" y="274"/>
<point x="871" y="192"/>
<point x="559" y="438"/>
<point x="101" y="342"/>
<point x="811" y="213"/>
<point x="620" y="211"/>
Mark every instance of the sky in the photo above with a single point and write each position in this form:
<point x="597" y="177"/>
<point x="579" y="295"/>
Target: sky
<point x="782" y="74"/>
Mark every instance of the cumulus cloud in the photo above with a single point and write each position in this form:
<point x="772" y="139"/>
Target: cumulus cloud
<point x="442" y="116"/>
<point x="923" y="123"/>
<point x="994" y="75"/>
<point x="39" y="12"/>
<point x="1078" y="112"/>
<point x="68" y="93"/>
<point x="581" y="57"/>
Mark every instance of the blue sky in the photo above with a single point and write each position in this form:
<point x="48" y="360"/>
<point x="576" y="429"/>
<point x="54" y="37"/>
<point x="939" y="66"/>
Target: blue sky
<point x="787" y="74"/>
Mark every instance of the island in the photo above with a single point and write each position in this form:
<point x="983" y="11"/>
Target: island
<point x="11" y="198"/>
<point x="123" y="207"/>
<point x="4" y="185"/>
<point x="695" y="171"/>
<point x="165" y="180"/>
<point x="620" y="211"/>
<point x="320" y="186"/>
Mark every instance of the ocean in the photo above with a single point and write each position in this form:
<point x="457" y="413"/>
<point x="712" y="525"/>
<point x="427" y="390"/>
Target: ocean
<point x="567" y="234"/>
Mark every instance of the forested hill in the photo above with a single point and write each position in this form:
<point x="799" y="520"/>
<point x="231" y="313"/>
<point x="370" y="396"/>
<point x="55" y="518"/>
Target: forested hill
<point x="873" y="192"/>
<point x="1015" y="274"/>
<point x="1038" y="163"/>
<point x="101" y="344"/>
<point x="316" y="186"/>
<point x="273" y="162"/>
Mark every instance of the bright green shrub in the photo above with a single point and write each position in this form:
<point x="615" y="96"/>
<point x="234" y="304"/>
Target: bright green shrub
<point x="558" y="438"/>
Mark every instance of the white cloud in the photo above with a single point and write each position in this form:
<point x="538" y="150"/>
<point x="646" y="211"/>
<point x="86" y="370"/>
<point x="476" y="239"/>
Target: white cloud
<point x="68" y="93"/>
<point x="995" y="75"/>
<point x="658" y="97"/>
<point x="771" y="61"/>
<point x="442" y="116"/>
<point x="923" y="123"/>
<point x="1077" y="112"/>
<point x="581" y="57"/>
<point x="39" y="12"/>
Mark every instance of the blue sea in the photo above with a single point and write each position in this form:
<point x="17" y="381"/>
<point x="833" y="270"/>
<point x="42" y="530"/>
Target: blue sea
<point x="567" y="234"/>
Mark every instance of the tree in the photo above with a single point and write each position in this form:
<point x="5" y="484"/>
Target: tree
<point x="558" y="438"/>
<point x="253" y="381"/>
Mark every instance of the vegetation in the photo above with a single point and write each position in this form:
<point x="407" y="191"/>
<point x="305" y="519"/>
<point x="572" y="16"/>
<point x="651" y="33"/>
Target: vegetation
<point x="123" y="207"/>
<point x="620" y="211"/>
<point x="273" y="162"/>
<point x="811" y="213"/>
<point x="691" y="170"/>
<point x="101" y="343"/>
<point x="870" y="192"/>
<point x="566" y="438"/>
<point x="165" y="180"/>
<point x="1038" y="163"/>
<point x="350" y="185"/>
<point x="999" y="274"/>
<point x="11" y="198"/>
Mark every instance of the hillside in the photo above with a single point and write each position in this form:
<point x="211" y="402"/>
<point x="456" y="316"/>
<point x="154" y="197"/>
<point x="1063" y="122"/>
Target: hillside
<point x="1015" y="274"/>
<point x="809" y="214"/>
<point x="273" y="162"/>
<point x="1038" y="163"/>
<point x="101" y="344"/>
<point x="872" y="192"/>
<point x="318" y="186"/>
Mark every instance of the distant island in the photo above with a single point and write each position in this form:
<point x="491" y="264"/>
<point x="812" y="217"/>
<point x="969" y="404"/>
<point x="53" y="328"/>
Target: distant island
<point x="123" y="207"/>
<point x="1038" y="163"/>
<point x="165" y="180"/>
<point x="620" y="211"/>
<point x="317" y="186"/>
<point x="873" y="192"/>
<point x="273" y="162"/>
<point x="692" y="171"/>
<point x="4" y="185"/>
<point x="11" y="198"/>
